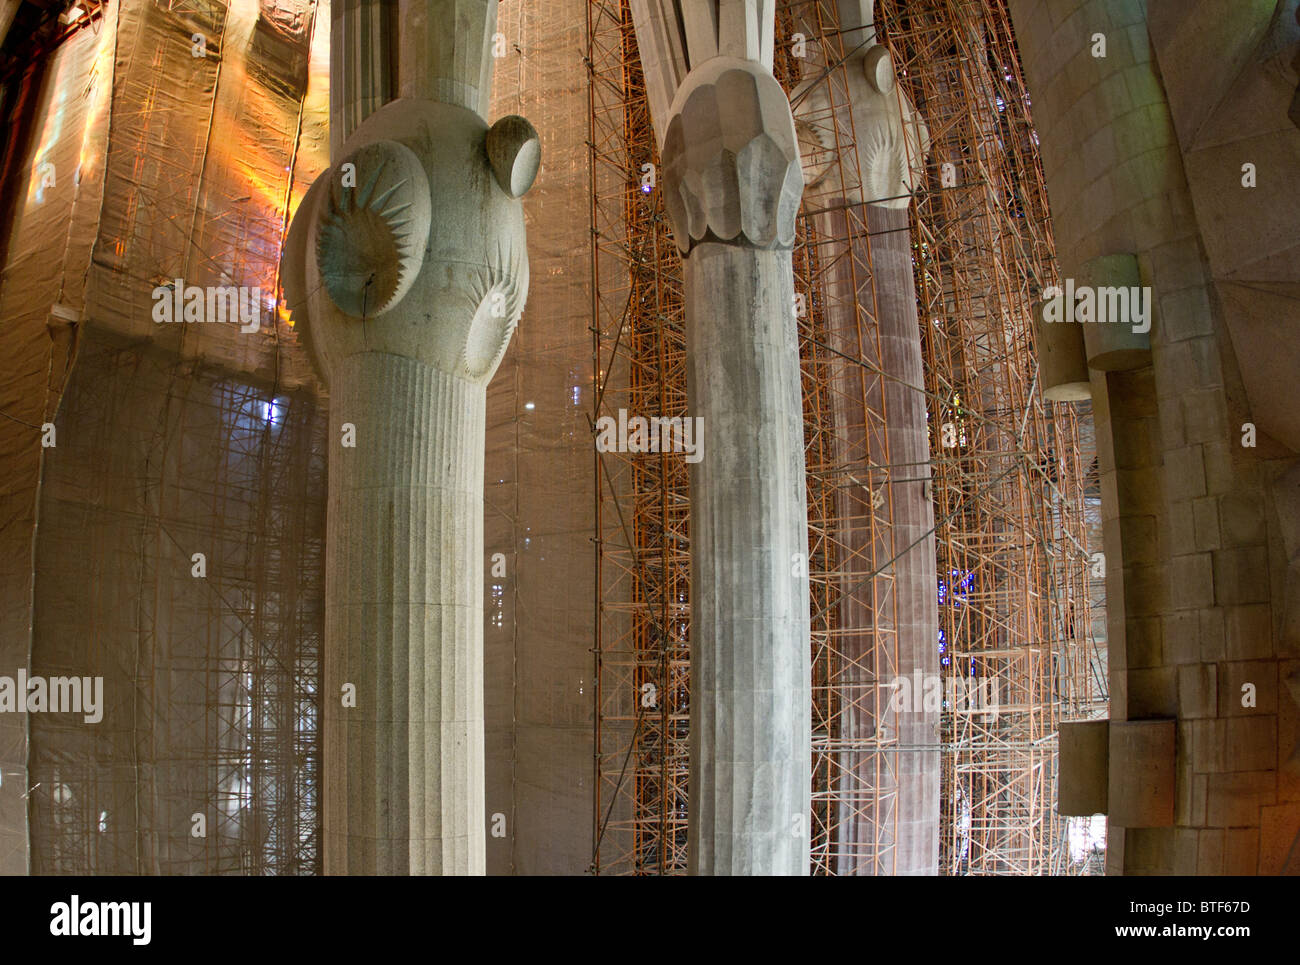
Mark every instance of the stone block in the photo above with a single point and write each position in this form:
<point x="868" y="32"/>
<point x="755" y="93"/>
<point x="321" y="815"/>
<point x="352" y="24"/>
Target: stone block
<point x="1062" y="365"/>
<point x="1189" y="808"/>
<point x="1182" y="528"/>
<point x="1222" y="474"/>
<point x="1251" y="743"/>
<point x="1115" y="841"/>
<point x="1132" y="442"/>
<point x="1148" y="850"/>
<point x="1197" y="691"/>
<point x="1208" y="747"/>
<point x="1205" y="521"/>
<point x="1173" y="428"/>
<point x="1084" y="766"/>
<point x="1185" y="473"/>
<point x="1241" y="576"/>
<point x="1181" y="642"/>
<point x="1209" y="852"/>
<point x="1241" y="519"/>
<point x="1286" y="503"/>
<point x="1279" y="840"/>
<point x="1185" y="312"/>
<point x="1249" y="630"/>
<point x="1140" y="492"/>
<point x="1142" y="789"/>
<point x="1204" y="411"/>
<point x="1153" y="692"/>
<point x="1144" y="590"/>
<point x="1213" y="634"/>
<point x="1234" y="675"/>
<point x="1142" y="643"/>
<point x="1176" y="266"/>
<point x="1241" y="851"/>
<point x="1141" y="539"/>
<point x="1186" y="841"/>
<point x="1233" y="800"/>
<point x="1191" y="581"/>
<point x="1116" y="322"/>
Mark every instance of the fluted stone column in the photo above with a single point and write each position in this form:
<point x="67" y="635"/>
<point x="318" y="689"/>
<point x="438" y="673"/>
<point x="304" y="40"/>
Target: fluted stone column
<point x="751" y="756"/>
<point x="884" y="143"/>
<point x="732" y="185"/>
<point x="361" y="68"/>
<point x="406" y="270"/>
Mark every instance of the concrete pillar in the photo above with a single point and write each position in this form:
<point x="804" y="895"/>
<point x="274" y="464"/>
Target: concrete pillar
<point x="883" y="143"/>
<point x="732" y="183"/>
<point x="406" y="270"/>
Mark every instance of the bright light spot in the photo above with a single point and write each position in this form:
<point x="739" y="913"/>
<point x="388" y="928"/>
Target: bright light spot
<point x="530" y="406"/>
<point x="1087" y="834"/>
<point x="271" y="412"/>
<point x="498" y="605"/>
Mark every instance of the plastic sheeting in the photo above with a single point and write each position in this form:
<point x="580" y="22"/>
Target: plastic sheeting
<point x="179" y="559"/>
<point x="48" y="253"/>
<point x="538" y="480"/>
<point x="172" y="160"/>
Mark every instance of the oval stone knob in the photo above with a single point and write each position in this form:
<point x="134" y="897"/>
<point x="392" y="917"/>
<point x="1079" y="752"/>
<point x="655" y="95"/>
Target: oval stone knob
<point x="878" y="65"/>
<point x="515" y="152"/>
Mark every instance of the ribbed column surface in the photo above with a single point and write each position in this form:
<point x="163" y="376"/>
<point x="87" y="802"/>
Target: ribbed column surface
<point x="867" y="639"/>
<point x="912" y="524"/>
<point x="360" y="65"/>
<point x="751" y="754"/>
<point x="888" y="624"/>
<point x="403" y="622"/>
<point x="446" y="51"/>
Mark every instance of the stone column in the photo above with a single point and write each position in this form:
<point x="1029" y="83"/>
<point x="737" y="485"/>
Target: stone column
<point x="883" y="143"/>
<point x="361" y="65"/>
<point x="406" y="271"/>
<point x="751" y="755"/>
<point x="732" y="184"/>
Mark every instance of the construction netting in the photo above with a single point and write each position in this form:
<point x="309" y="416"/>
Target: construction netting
<point x="538" y="475"/>
<point x="182" y="136"/>
<point x="178" y="561"/>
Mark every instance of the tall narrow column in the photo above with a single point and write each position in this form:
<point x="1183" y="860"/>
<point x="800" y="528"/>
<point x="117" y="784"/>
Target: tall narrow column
<point x="406" y="269"/>
<point x="889" y="624"/>
<point x="732" y="184"/>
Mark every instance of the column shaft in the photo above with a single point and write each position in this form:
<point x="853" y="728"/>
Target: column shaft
<point x="404" y="621"/>
<point x="888" y="624"/>
<point x="750" y="665"/>
<point x="912" y="522"/>
<point x="361" y="65"/>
